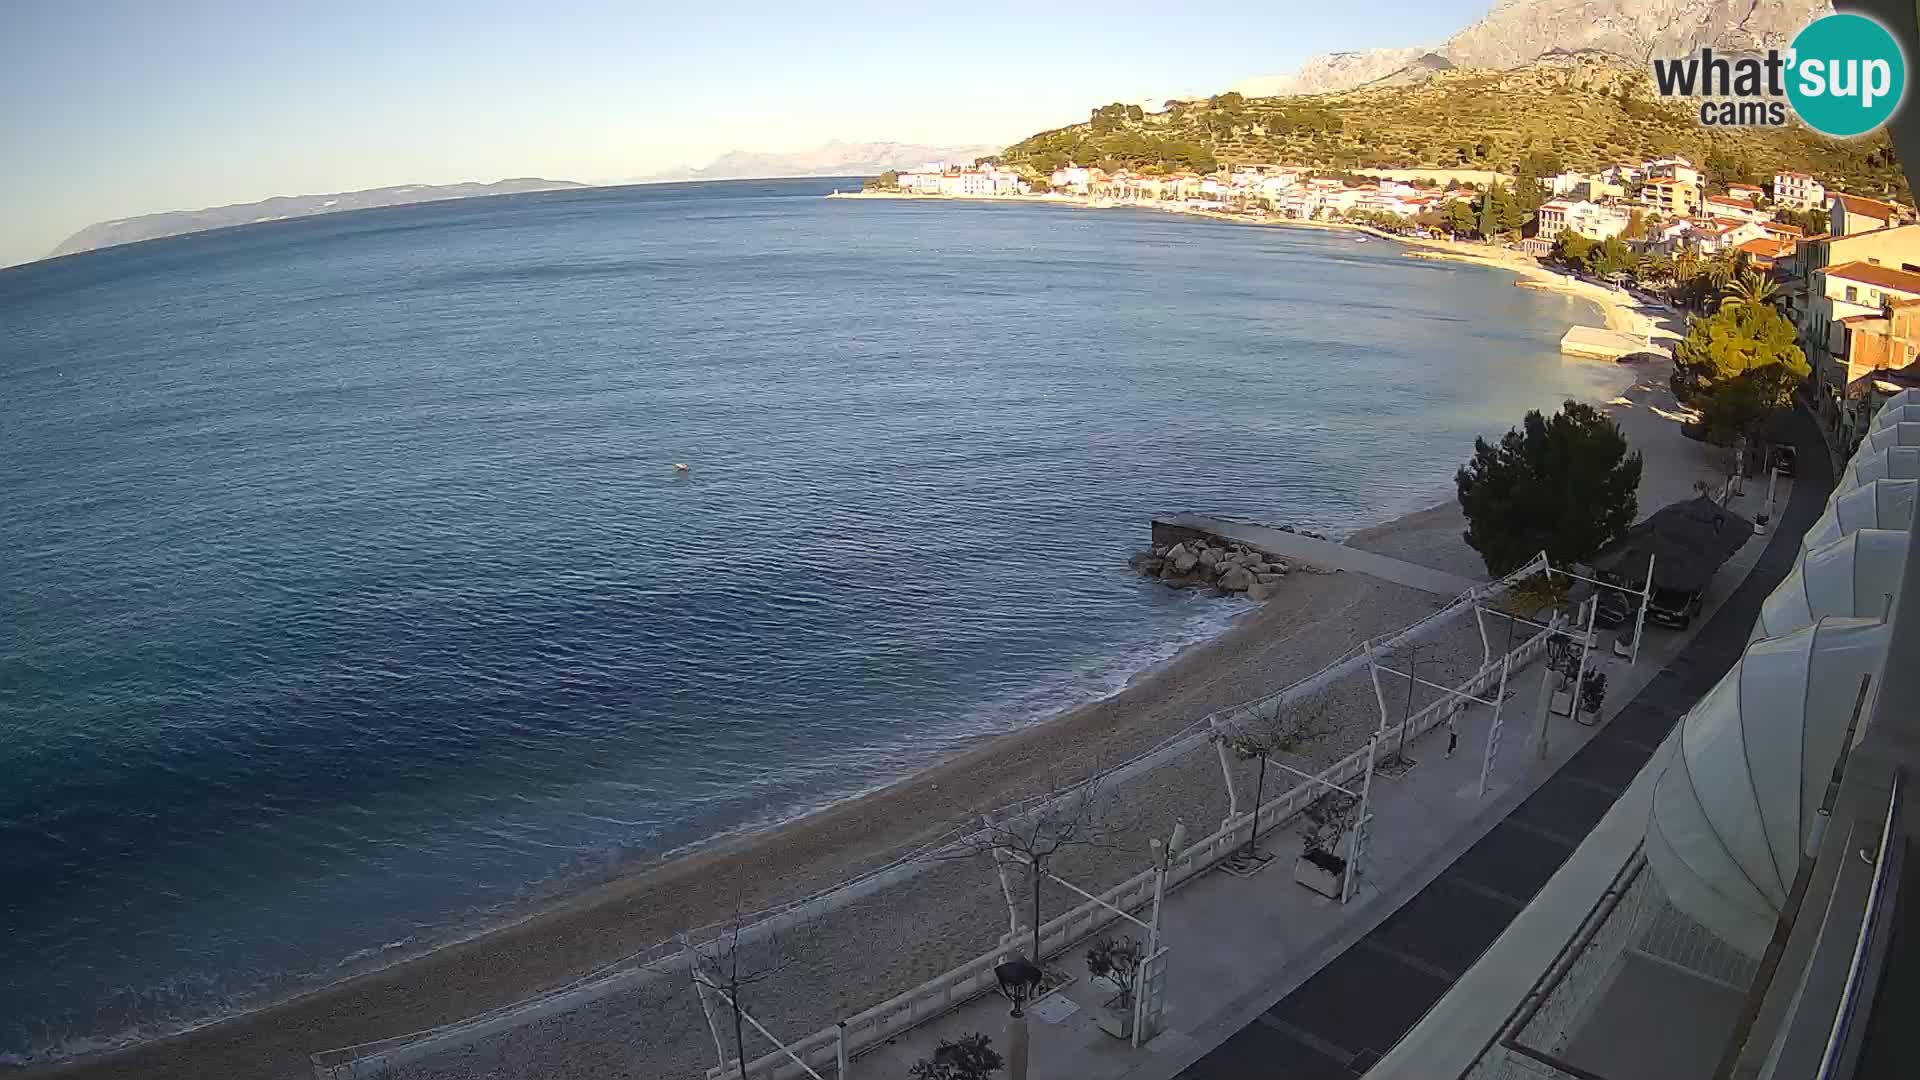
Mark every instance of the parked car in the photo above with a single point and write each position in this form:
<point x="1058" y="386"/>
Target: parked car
<point x="1673" y="607"/>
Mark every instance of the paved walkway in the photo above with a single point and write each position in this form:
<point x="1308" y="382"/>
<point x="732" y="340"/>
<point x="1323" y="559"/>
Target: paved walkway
<point x="1352" y="1012"/>
<point x="1269" y="979"/>
<point x="1325" y="553"/>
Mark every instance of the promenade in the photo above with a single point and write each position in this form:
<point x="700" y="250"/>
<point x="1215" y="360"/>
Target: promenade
<point x="1267" y="978"/>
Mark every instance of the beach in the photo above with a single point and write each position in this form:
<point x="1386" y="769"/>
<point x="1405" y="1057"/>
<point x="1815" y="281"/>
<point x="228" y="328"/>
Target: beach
<point x="946" y="912"/>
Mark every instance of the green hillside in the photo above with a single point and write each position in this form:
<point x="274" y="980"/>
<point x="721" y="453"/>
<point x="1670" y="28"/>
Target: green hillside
<point x="1582" y="114"/>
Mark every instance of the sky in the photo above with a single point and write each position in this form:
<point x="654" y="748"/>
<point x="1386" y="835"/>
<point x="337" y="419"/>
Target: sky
<point x="112" y="109"/>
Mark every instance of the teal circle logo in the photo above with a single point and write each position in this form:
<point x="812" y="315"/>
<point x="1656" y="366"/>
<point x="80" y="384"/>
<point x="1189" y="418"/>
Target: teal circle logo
<point x="1846" y="75"/>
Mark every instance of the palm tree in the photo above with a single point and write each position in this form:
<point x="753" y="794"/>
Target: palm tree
<point x="1720" y="268"/>
<point x="1749" y="290"/>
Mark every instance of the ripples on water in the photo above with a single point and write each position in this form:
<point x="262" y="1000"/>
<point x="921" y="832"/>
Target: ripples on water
<point x="348" y="585"/>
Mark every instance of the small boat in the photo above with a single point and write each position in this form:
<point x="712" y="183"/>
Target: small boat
<point x="681" y="467"/>
<point x="1359" y="239"/>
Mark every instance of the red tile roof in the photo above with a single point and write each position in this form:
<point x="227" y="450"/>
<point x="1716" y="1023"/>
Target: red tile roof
<point x="1872" y="208"/>
<point x="1884" y="277"/>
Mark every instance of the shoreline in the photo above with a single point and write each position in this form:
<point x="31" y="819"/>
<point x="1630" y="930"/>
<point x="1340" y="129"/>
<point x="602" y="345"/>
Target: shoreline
<point x="1618" y="310"/>
<point x="555" y="944"/>
<point x="552" y="945"/>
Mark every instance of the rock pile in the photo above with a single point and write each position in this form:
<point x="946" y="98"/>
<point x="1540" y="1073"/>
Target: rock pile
<point x="1231" y="568"/>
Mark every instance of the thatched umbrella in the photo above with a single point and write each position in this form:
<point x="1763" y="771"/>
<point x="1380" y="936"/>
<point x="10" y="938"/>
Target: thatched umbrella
<point x="1689" y="541"/>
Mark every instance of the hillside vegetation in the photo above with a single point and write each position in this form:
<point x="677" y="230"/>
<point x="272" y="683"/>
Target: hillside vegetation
<point x="1585" y="115"/>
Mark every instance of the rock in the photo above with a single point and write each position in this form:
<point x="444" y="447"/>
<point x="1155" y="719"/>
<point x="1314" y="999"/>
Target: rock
<point x="1260" y="591"/>
<point x="1151" y="566"/>
<point x="1269" y="579"/>
<point x="1255" y="567"/>
<point x="1236" y="579"/>
<point x="1160" y="551"/>
<point x="1281" y="568"/>
<point x="1209" y="557"/>
<point x="1182" y="560"/>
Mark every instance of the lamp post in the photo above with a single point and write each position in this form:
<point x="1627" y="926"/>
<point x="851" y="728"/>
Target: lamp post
<point x="1019" y="980"/>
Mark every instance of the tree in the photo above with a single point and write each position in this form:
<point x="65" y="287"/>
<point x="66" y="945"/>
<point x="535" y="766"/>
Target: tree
<point x="1031" y="837"/>
<point x="1255" y="738"/>
<point x="1749" y="288"/>
<point x="1572" y="249"/>
<point x="730" y="975"/>
<point x="1636" y="226"/>
<point x="1564" y="485"/>
<point x="1459" y="218"/>
<point x="1117" y="960"/>
<point x="970" y="1057"/>
<point x="886" y="181"/>
<point x="1739" y="339"/>
<point x="1611" y="256"/>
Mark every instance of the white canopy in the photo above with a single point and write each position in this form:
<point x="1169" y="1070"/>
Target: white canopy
<point x="1852" y="576"/>
<point x="1882" y="504"/>
<point x="1886" y="435"/>
<point x="1892" y="463"/>
<point x="1735" y="806"/>
<point x="1899" y="400"/>
<point x="1896" y="414"/>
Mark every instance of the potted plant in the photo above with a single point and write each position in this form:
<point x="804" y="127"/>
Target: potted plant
<point x="1117" y="962"/>
<point x="1760" y="522"/>
<point x="1320" y="866"/>
<point x="1593" y="692"/>
<point x="970" y="1057"/>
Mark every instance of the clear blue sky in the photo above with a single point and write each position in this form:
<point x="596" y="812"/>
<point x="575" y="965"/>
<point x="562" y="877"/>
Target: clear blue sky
<point x="113" y="109"/>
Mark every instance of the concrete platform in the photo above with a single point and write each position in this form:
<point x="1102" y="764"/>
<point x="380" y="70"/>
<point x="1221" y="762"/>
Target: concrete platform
<point x="1324" y="554"/>
<point x="1597" y="343"/>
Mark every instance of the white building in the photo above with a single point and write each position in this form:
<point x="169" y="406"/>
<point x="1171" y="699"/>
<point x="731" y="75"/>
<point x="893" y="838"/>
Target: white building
<point x="1595" y="221"/>
<point x="1076" y="178"/>
<point x="1729" y="206"/>
<point x="1798" y="191"/>
<point x="1674" y="168"/>
<point x="1746" y="193"/>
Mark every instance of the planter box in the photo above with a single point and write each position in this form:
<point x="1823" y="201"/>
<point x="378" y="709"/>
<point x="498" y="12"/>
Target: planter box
<point x="1115" y="1019"/>
<point x="1323" y="873"/>
<point x="1562" y="703"/>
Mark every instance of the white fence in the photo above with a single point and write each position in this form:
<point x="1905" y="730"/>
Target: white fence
<point x="962" y="984"/>
<point x="968" y="980"/>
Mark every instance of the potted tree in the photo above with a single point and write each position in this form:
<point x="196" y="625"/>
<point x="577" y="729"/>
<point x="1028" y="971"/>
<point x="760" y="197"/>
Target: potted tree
<point x="970" y="1057"/>
<point x="1593" y="692"/>
<point x="1117" y="962"/>
<point x="1320" y="866"/>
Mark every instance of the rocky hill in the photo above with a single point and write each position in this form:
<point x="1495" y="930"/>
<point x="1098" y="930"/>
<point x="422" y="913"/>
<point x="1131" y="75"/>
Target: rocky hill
<point x="1519" y="32"/>
<point x="1580" y="111"/>
<point x="175" y="222"/>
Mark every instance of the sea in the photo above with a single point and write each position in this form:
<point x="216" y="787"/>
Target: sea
<point x="353" y="600"/>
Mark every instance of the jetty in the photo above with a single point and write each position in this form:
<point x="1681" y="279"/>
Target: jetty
<point x="1597" y="343"/>
<point x="1310" y="550"/>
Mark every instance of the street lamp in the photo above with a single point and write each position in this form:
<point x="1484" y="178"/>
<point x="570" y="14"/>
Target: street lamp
<point x="1019" y="980"/>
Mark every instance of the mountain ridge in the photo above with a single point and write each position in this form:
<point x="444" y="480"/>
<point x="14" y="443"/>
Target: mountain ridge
<point x="129" y="230"/>
<point x="833" y="158"/>
<point x="1515" y="33"/>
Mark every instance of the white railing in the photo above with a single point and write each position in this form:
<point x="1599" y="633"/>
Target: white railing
<point x="370" y="1059"/>
<point x="970" y="980"/>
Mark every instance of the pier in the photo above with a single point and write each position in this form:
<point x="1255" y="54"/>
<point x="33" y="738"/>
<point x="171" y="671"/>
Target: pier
<point x="1297" y="548"/>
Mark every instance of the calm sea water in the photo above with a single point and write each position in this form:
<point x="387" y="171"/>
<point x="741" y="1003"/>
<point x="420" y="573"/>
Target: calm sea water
<point x="351" y="601"/>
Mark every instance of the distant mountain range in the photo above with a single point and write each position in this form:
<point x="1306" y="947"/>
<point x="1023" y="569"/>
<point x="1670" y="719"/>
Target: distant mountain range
<point x="176" y="222"/>
<point x="833" y="159"/>
<point x="1521" y="32"/>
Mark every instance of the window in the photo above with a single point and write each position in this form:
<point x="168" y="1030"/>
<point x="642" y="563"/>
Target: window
<point x="1853" y="295"/>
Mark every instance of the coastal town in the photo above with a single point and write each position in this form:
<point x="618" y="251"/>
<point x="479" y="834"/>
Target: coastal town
<point x="1842" y="268"/>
